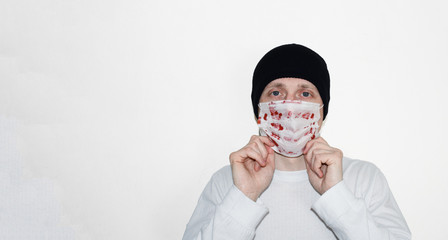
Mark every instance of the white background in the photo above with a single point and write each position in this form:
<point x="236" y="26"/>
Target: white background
<point x="114" y="114"/>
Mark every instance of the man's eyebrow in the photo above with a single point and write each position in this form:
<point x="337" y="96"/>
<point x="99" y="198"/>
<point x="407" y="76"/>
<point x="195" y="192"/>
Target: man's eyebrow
<point x="304" y="85"/>
<point x="277" y="85"/>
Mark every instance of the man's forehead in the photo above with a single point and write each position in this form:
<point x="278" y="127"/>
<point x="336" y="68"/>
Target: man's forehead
<point x="291" y="82"/>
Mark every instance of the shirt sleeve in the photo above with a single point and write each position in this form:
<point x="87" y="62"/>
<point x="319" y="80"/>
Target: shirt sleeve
<point x="234" y="216"/>
<point x="353" y="218"/>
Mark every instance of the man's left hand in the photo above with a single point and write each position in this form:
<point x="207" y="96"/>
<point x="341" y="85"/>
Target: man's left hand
<point x="323" y="164"/>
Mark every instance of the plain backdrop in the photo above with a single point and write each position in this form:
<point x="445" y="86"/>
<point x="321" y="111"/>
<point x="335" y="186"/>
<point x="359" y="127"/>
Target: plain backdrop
<point x="115" y="114"/>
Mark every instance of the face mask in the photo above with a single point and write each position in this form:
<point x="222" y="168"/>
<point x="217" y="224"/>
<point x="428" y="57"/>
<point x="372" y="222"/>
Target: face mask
<point x="290" y="124"/>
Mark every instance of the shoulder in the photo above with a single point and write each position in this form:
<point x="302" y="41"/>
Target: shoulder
<point x="355" y="166"/>
<point x="362" y="177"/>
<point x="223" y="174"/>
<point x="221" y="182"/>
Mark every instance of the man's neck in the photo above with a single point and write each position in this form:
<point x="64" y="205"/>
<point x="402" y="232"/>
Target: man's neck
<point x="289" y="163"/>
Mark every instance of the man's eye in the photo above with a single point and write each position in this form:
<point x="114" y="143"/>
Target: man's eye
<point x="306" y="94"/>
<point x="275" y="93"/>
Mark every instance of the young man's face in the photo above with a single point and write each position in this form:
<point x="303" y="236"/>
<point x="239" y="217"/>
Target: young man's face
<point x="292" y="89"/>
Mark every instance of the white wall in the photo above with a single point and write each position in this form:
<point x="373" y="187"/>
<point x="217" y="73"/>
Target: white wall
<point x="114" y="114"/>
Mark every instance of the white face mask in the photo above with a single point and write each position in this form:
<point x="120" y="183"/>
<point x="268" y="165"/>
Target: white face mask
<point x="290" y="124"/>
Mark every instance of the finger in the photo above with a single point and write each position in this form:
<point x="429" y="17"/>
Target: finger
<point x="308" y="145"/>
<point x="254" y="146"/>
<point x="315" y="151"/>
<point x="324" y="168"/>
<point x="256" y="156"/>
<point x="321" y="139"/>
<point x="257" y="167"/>
<point x="318" y="146"/>
<point x="269" y="149"/>
<point x="261" y="148"/>
<point x="266" y="140"/>
<point x="317" y="164"/>
<point x="314" y="141"/>
<point x="322" y="161"/>
<point x="309" y="155"/>
<point x="328" y="158"/>
<point x="270" y="159"/>
<point x="309" y="169"/>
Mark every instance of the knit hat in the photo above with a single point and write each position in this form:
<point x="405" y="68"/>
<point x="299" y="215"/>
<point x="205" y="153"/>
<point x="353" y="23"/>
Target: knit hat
<point x="295" y="61"/>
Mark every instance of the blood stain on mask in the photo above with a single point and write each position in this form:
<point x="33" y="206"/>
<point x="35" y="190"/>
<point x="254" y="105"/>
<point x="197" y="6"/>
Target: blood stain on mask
<point x="277" y="125"/>
<point x="275" y="136"/>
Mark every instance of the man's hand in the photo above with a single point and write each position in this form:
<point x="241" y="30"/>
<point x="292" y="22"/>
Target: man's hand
<point x="323" y="164"/>
<point x="253" y="166"/>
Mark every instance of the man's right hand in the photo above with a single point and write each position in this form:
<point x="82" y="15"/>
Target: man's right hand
<point x="253" y="166"/>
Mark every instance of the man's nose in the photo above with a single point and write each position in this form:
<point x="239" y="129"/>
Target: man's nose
<point x="291" y="96"/>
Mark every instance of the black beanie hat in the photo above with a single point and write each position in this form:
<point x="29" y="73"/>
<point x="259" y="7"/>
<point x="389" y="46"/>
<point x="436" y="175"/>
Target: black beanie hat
<point x="295" y="61"/>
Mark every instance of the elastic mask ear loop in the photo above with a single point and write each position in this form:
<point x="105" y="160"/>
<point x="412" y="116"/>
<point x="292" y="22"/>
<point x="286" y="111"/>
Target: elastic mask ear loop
<point x="323" y="122"/>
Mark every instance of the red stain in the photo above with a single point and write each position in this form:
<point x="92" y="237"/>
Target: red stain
<point x="289" y="114"/>
<point x="275" y="143"/>
<point x="277" y="125"/>
<point x="265" y="116"/>
<point x="275" y="136"/>
<point x="306" y="115"/>
<point x="312" y="116"/>
<point x="312" y="137"/>
<point x="272" y="109"/>
<point x="275" y="114"/>
<point x="309" y="132"/>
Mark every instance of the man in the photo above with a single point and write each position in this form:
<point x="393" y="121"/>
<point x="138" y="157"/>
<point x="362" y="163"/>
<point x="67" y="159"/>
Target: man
<point x="290" y="183"/>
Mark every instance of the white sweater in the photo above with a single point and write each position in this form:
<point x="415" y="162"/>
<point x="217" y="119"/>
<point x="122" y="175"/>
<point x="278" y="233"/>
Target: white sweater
<point x="360" y="207"/>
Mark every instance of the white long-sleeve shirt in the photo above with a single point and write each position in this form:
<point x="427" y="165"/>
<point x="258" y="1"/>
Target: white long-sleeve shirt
<point x="360" y="207"/>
